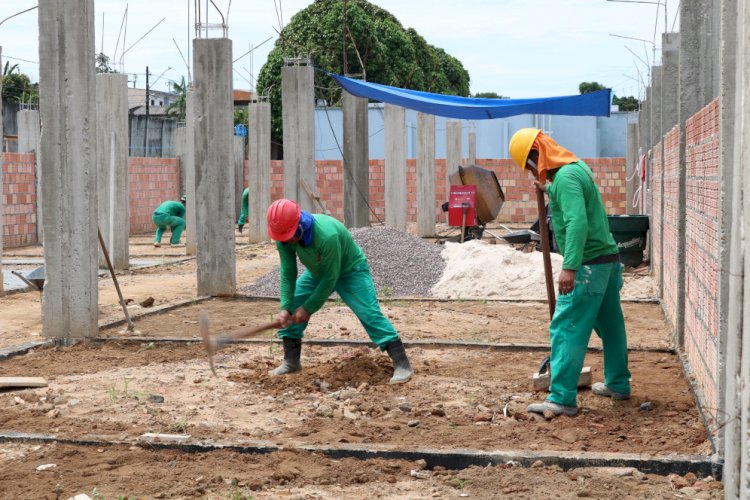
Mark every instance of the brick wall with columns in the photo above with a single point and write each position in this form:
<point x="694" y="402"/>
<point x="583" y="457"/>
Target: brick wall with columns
<point x="655" y="226"/>
<point x="19" y="200"/>
<point x="151" y="181"/>
<point x="702" y="246"/>
<point x="669" y="232"/>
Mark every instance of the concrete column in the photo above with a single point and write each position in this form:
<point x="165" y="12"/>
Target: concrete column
<point x="2" y="142"/>
<point x="727" y="349"/>
<point x="644" y="132"/>
<point x="425" y="174"/>
<point x="67" y="92"/>
<point x="670" y="63"/>
<point x="179" y="153"/>
<point x="692" y="97"/>
<point x="656" y="130"/>
<point x="112" y="166"/>
<point x="395" y="167"/>
<point x="736" y="342"/>
<point x="452" y="151"/>
<point x="472" y="160"/>
<point x="259" y="170"/>
<point x="239" y="174"/>
<point x="28" y="142"/>
<point x="298" y="114"/>
<point x="631" y="162"/>
<point x="356" y="162"/>
<point x="191" y="245"/>
<point x="214" y="166"/>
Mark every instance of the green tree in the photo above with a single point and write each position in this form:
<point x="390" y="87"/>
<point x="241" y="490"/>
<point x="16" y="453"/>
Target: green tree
<point x="240" y="116"/>
<point x="489" y="95"/>
<point x="588" y="87"/>
<point x="178" y="108"/>
<point x="102" y="64"/>
<point x="628" y="103"/>
<point x="17" y="86"/>
<point x="376" y="44"/>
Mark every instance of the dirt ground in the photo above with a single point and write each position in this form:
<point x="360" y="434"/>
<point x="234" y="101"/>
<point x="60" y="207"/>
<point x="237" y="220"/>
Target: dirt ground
<point x="459" y="398"/>
<point x="138" y="472"/>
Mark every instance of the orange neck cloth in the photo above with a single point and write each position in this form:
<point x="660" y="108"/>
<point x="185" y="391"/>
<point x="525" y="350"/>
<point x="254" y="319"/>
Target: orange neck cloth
<point x="551" y="155"/>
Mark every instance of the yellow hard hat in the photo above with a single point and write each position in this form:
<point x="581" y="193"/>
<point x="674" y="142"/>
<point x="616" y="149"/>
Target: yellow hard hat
<point x="520" y="145"/>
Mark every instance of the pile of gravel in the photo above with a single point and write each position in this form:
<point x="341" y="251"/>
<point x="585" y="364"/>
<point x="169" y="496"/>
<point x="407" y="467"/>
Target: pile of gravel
<point x="402" y="265"/>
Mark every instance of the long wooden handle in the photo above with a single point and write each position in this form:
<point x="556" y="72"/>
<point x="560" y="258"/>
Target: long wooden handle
<point x="250" y="331"/>
<point x="546" y="251"/>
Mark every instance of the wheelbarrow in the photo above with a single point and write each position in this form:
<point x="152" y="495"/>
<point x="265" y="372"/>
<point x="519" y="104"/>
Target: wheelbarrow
<point x="35" y="279"/>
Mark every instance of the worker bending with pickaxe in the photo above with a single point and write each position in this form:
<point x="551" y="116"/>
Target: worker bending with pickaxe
<point x="334" y="262"/>
<point x="591" y="277"/>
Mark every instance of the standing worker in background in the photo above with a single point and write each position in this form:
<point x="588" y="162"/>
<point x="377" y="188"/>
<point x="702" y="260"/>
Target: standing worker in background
<point x="334" y="262"/>
<point x="243" y="213"/>
<point x="591" y="277"/>
<point x="170" y="214"/>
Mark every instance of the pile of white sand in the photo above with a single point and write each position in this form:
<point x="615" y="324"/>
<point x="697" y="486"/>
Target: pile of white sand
<point x="477" y="270"/>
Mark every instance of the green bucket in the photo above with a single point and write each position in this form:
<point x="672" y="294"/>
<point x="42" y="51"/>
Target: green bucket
<point x="629" y="232"/>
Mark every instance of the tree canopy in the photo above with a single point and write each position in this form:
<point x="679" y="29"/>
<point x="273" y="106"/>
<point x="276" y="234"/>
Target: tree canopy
<point x="17" y="86"/>
<point x="628" y="103"/>
<point x="588" y="87"/>
<point x="376" y="44"/>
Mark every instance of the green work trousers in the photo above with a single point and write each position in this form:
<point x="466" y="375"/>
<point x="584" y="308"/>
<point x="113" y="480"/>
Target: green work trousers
<point x="174" y="223"/>
<point x="244" y="211"/>
<point x="358" y="292"/>
<point x="593" y="304"/>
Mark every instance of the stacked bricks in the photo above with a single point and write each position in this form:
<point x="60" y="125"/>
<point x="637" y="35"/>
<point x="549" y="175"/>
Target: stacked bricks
<point x="669" y="232"/>
<point x="19" y="199"/>
<point x="151" y="182"/>
<point x="656" y="176"/>
<point x="702" y="244"/>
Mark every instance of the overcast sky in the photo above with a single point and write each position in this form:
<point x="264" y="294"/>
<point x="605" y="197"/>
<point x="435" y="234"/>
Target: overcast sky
<point x="517" y="48"/>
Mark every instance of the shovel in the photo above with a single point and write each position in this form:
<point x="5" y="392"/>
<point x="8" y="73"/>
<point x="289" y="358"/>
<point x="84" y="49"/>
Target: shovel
<point x="213" y="344"/>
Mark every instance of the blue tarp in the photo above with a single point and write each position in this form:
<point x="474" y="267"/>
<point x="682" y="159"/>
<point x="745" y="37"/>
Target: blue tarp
<point x="474" y="108"/>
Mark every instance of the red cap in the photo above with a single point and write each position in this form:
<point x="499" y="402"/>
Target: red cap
<point x="283" y="217"/>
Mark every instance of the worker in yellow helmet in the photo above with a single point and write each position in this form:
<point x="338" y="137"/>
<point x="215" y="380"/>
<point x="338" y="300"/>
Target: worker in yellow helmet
<point x="591" y="277"/>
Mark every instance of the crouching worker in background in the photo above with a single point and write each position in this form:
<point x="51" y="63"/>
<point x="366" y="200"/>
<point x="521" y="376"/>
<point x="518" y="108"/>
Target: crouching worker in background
<point x="334" y="262"/>
<point x="170" y="214"/>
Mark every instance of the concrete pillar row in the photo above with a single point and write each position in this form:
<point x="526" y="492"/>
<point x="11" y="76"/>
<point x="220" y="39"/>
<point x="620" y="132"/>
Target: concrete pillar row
<point x="214" y="166"/>
<point x="112" y="165"/>
<point x="425" y="175"/>
<point x="395" y="167"/>
<point x="29" y="134"/>
<point x="298" y="113"/>
<point x="67" y="89"/>
<point x="356" y="165"/>
<point x="259" y="170"/>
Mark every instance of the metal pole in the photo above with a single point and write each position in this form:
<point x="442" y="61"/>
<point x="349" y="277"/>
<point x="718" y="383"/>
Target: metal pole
<point x="131" y="327"/>
<point x="145" y="132"/>
<point x="543" y="229"/>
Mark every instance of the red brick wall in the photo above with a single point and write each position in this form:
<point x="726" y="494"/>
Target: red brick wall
<point x="19" y="200"/>
<point x="669" y="234"/>
<point x="702" y="243"/>
<point x="520" y="205"/>
<point x="655" y="233"/>
<point x="151" y="182"/>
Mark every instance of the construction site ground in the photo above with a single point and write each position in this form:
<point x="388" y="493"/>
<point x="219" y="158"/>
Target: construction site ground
<point x="474" y="397"/>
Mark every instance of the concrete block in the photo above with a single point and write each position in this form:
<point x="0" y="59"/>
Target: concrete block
<point x="151" y="437"/>
<point x="22" y="382"/>
<point x="541" y="382"/>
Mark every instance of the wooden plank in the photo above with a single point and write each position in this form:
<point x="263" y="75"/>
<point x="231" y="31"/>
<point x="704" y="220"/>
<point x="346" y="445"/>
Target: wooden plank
<point x="314" y="196"/>
<point x="22" y="382"/>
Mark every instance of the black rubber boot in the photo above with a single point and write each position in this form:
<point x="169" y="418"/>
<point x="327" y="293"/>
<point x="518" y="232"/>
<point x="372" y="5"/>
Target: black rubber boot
<point x="402" y="371"/>
<point x="240" y="226"/>
<point x="291" y="363"/>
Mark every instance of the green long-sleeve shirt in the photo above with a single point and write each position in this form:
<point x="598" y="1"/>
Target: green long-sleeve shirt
<point x="578" y="216"/>
<point x="333" y="253"/>
<point x="174" y="208"/>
